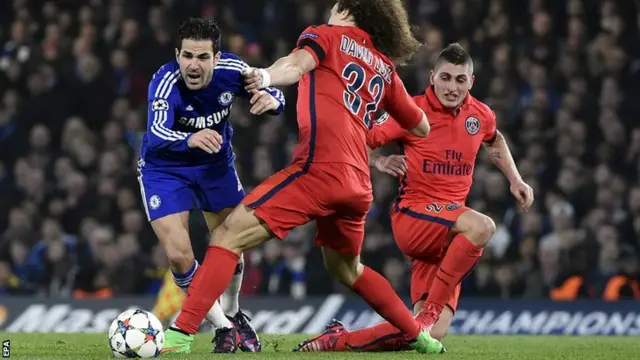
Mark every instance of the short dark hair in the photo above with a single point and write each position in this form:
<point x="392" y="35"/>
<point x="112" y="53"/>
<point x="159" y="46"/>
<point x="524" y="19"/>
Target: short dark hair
<point x="454" y="54"/>
<point x="200" y="29"/>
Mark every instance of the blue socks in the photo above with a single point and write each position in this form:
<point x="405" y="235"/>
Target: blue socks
<point x="184" y="280"/>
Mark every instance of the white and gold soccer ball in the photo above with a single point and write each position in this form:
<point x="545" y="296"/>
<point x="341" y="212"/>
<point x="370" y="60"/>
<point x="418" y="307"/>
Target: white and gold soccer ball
<point x="136" y="334"/>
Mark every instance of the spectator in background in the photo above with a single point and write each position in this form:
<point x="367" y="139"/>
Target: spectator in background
<point x="562" y="76"/>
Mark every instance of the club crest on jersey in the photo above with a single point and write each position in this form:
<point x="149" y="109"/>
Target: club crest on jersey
<point x="453" y="206"/>
<point x="159" y="105"/>
<point x="472" y="125"/>
<point x="155" y="202"/>
<point x="226" y="98"/>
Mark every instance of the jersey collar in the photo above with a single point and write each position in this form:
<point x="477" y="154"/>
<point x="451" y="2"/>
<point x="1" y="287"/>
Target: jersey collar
<point x="436" y="105"/>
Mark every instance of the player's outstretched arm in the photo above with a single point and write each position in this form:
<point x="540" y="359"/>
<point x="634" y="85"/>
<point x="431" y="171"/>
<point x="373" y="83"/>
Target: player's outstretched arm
<point x="502" y="158"/>
<point x="384" y="131"/>
<point x="423" y="128"/>
<point x="285" y="71"/>
<point x="268" y="100"/>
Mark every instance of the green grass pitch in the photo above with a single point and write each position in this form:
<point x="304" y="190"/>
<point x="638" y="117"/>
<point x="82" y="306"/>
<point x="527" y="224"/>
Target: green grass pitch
<point x="95" y="346"/>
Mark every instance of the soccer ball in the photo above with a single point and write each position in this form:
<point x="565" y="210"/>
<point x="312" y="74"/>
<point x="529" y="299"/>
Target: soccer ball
<point x="136" y="334"/>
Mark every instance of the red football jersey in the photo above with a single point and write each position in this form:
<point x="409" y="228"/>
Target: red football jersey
<point x="337" y="100"/>
<point x="440" y="166"/>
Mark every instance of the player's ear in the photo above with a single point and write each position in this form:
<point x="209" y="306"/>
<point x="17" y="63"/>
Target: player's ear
<point x="473" y="80"/>
<point x="346" y="16"/>
<point x="216" y="58"/>
<point x="177" y="54"/>
<point x="432" y="77"/>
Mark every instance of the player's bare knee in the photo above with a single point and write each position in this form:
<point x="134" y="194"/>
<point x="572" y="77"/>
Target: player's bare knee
<point x="482" y="231"/>
<point x="485" y="230"/>
<point x="222" y="237"/>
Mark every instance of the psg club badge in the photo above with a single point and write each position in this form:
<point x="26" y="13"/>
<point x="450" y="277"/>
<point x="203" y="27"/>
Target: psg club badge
<point x="472" y="125"/>
<point x="453" y="206"/>
<point x="226" y="98"/>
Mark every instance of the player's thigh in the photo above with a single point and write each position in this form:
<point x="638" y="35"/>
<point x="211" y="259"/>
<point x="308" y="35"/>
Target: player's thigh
<point x="167" y="200"/>
<point x="441" y="327"/>
<point x="173" y="234"/>
<point x="477" y="227"/>
<point x="419" y="236"/>
<point x="241" y="230"/>
<point x="217" y="189"/>
<point x="164" y="192"/>
<point x="214" y="219"/>
<point x="286" y="200"/>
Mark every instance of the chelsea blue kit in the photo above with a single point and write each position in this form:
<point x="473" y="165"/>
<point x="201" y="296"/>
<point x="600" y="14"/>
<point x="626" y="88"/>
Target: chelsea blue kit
<point x="173" y="177"/>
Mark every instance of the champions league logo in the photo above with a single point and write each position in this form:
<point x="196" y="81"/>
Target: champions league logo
<point x="159" y="105"/>
<point x="472" y="125"/>
<point x="381" y="117"/>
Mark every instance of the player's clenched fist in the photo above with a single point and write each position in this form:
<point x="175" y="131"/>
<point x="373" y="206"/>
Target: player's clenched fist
<point x="256" y="79"/>
<point x="207" y="140"/>
<point x="261" y="102"/>
<point x="395" y="165"/>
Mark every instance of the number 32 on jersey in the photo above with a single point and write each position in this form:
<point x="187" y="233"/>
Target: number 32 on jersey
<point x="356" y="77"/>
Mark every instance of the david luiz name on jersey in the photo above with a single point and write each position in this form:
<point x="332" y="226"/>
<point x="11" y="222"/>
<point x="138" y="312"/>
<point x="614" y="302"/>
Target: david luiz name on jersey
<point x="353" y="49"/>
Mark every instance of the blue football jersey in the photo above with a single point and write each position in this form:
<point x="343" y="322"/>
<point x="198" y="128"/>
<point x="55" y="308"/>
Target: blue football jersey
<point x="175" y="112"/>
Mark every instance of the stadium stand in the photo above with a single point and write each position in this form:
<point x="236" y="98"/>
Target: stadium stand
<point x="563" y="77"/>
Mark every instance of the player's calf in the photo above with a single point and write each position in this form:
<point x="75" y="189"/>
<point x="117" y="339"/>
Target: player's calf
<point x="173" y="234"/>
<point x="346" y="269"/>
<point x="240" y="231"/>
<point x="378" y="293"/>
<point x="474" y="231"/>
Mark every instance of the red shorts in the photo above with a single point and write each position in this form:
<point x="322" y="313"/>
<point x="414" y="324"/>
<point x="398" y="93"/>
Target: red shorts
<point x="336" y="195"/>
<point x="423" y="233"/>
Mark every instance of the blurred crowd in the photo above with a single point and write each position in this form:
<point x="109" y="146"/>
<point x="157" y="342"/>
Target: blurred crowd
<point x="563" y="77"/>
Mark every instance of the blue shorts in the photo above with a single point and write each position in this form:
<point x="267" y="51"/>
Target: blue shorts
<point x="169" y="190"/>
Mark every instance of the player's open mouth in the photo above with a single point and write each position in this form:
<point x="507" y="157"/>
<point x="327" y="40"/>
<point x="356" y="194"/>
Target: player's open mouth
<point x="193" y="77"/>
<point x="451" y="97"/>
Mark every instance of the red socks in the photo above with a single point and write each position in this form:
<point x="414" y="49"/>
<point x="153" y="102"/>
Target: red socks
<point x="382" y="337"/>
<point x="461" y="257"/>
<point x="379" y="294"/>
<point x="209" y="282"/>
